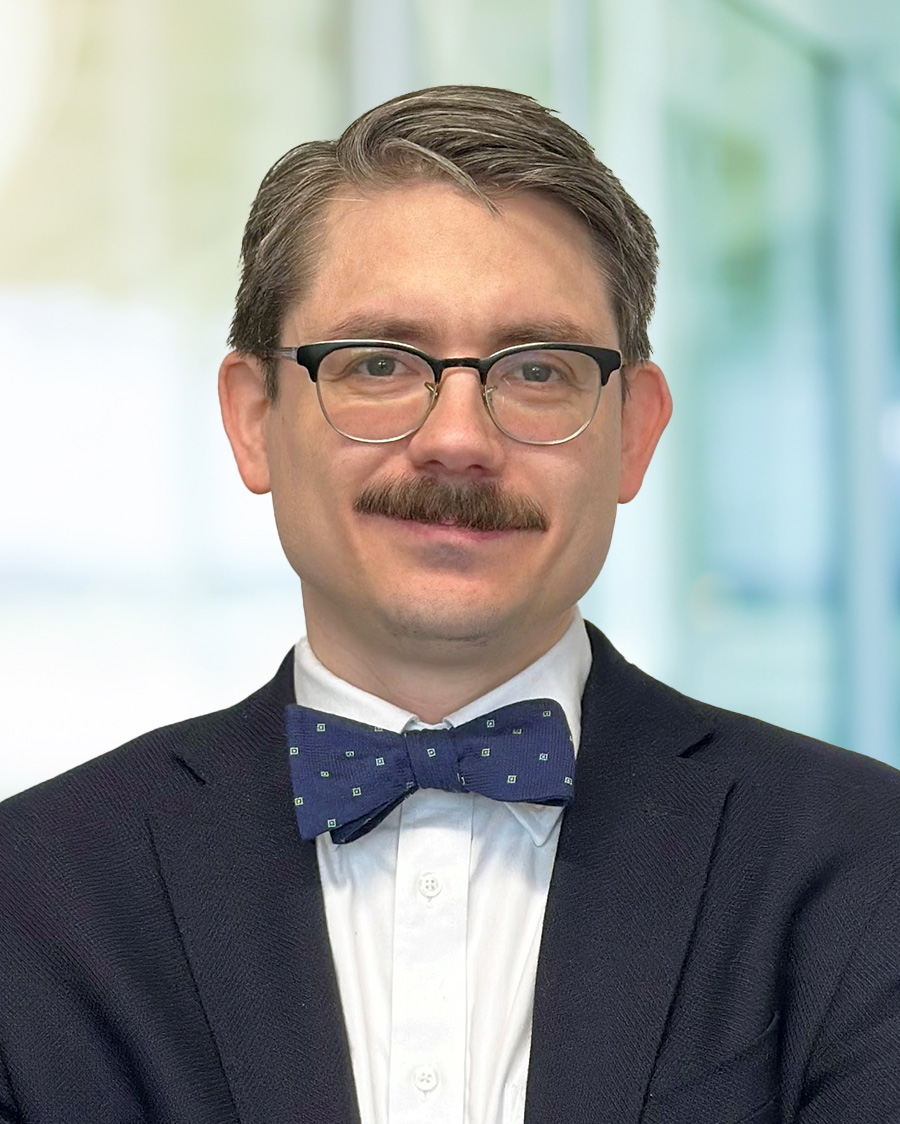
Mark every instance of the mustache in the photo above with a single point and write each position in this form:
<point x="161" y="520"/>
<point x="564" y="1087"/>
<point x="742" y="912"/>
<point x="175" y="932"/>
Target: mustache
<point x="476" y="506"/>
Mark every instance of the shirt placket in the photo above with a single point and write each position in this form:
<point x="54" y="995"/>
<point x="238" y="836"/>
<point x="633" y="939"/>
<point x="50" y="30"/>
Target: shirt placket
<point x="429" y="993"/>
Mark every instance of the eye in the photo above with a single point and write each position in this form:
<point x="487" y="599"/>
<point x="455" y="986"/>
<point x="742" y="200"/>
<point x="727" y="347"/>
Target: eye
<point x="378" y="366"/>
<point x="537" y="372"/>
<point x="370" y="365"/>
<point x="536" y="369"/>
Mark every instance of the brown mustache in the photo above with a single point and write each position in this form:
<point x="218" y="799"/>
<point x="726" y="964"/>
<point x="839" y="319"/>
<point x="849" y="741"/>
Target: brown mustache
<point x="475" y="506"/>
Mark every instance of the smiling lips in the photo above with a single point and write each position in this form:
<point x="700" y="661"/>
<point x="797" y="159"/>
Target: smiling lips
<point x="451" y="527"/>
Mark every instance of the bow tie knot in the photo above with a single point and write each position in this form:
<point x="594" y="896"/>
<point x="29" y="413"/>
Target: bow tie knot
<point x="348" y="776"/>
<point x="436" y="759"/>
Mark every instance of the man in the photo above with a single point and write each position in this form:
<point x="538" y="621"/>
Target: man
<point x="542" y="885"/>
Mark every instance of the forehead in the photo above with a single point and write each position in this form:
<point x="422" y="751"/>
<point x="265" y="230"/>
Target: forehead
<point x="440" y="261"/>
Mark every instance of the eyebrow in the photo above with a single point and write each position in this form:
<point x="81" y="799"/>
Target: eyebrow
<point x="554" y="329"/>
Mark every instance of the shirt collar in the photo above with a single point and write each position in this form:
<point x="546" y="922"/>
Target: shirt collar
<point x="559" y="674"/>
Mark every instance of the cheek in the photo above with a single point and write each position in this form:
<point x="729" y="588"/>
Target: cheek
<point x="587" y="507"/>
<point x="304" y="453"/>
<point x="594" y="513"/>
<point x="316" y="476"/>
<point x="302" y="485"/>
<point x="593" y="474"/>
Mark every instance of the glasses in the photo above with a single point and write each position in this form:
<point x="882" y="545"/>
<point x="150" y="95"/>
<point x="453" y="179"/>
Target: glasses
<point x="377" y="391"/>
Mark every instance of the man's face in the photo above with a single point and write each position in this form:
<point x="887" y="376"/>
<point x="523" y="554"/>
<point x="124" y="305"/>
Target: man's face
<point x="426" y="265"/>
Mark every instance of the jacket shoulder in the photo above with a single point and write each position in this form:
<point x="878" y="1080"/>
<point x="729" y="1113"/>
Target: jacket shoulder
<point x="810" y="786"/>
<point x="817" y="797"/>
<point x="784" y="756"/>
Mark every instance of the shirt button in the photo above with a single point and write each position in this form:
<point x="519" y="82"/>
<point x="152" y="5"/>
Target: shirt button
<point x="425" y="1078"/>
<point x="429" y="885"/>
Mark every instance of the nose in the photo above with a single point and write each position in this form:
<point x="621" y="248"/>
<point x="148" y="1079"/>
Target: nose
<point x="459" y="435"/>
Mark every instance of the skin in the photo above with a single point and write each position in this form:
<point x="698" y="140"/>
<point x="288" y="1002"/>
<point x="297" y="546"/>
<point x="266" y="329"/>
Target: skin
<point x="431" y="617"/>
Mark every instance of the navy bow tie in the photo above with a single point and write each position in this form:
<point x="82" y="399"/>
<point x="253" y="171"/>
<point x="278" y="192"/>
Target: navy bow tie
<point x="348" y="776"/>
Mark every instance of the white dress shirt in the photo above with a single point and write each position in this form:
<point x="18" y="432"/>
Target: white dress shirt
<point x="434" y="917"/>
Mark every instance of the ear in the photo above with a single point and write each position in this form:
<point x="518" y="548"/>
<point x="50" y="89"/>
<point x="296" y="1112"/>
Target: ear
<point x="645" y="414"/>
<point x="245" y="412"/>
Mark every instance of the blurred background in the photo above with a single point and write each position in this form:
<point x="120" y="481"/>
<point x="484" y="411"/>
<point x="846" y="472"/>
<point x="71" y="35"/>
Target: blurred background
<point x="759" y="569"/>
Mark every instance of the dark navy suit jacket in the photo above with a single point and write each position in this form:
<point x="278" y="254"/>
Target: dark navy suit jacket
<point x="721" y="942"/>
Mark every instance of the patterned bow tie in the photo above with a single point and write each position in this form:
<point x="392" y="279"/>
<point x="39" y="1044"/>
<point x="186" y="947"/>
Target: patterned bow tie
<point x="348" y="776"/>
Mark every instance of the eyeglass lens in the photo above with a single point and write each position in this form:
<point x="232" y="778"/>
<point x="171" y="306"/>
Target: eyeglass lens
<point x="380" y="393"/>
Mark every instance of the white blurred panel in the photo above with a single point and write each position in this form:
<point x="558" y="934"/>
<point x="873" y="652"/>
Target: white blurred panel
<point x="91" y="397"/>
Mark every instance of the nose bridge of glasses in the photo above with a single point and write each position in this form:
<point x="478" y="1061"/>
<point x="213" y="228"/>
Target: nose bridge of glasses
<point x="441" y="366"/>
<point x="463" y="363"/>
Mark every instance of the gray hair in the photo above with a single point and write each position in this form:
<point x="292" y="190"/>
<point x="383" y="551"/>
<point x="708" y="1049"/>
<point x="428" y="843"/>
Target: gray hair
<point x="489" y="142"/>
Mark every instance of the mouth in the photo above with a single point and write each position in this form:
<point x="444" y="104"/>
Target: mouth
<point x="447" y="530"/>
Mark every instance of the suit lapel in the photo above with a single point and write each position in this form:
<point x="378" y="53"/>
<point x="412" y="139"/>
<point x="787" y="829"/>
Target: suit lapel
<point x="630" y="870"/>
<point x="248" y="904"/>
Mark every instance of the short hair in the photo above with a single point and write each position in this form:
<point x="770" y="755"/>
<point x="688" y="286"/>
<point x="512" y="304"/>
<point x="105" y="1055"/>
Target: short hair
<point x="488" y="142"/>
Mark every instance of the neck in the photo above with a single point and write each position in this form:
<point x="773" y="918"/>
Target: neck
<point x="429" y="677"/>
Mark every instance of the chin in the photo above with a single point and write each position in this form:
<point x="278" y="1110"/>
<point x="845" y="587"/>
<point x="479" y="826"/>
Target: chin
<point x="445" y="623"/>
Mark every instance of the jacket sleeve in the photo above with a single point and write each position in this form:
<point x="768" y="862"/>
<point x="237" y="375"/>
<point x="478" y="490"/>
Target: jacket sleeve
<point x="853" y="1075"/>
<point x="8" y="1113"/>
